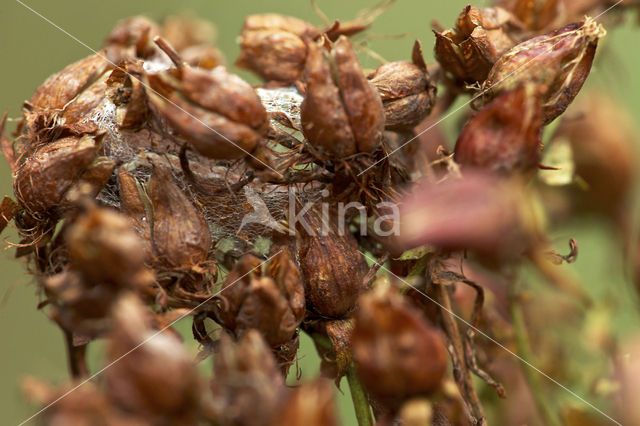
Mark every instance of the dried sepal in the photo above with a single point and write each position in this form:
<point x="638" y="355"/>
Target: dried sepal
<point x="557" y="64"/>
<point x="136" y="205"/>
<point x="480" y="37"/>
<point x="342" y="113"/>
<point x="406" y="91"/>
<point x="218" y="113"/>
<point x="398" y="354"/>
<point x="505" y="136"/>
<point x="131" y="38"/>
<point x="8" y="209"/>
<point x="332" y="339"/>
<point x="125" y="90"/>
<point x="180" y="234"/>
<point x="93" y="179"/>
<point x="42" y="180"/>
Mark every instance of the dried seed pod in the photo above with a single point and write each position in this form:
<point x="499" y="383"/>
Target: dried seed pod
<point x="131" y="38"/>
<point x="94" y="178"/>
<point x="125" y="90"/>
<point x="275" y="46"/>
<point x="183" y="31"/>
<point x="342" y="112"/>
<point x="557" y="63"/>
<point x="406" y="91"/>
<point x="273" y="304"/>
<point x="180" y="234"/>
<point x="309" y="404"/>
<point x="218" y="113"/>
<point x="59" y="89"/>
<point x="505" y="136"/>
<point x="537" y="15"/>
<point x="104" y="247"/>
<point x="398" y="354"/>
<point x="332" y="339"/>
<point x="480" y="37"/>
<point x="332" y="266"/>
<point x="135" y="204"/>
<point x="158" y="378"/>
<point x="461" y="214"/>
<point x="42" y="180"/>
<point x="246" y="385"/>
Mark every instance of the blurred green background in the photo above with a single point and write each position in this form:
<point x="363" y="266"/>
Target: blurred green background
<point x="31" y="49"/>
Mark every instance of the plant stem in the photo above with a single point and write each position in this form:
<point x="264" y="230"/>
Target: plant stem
<point x="359" y="398"/>
<point x="524" y="351"/>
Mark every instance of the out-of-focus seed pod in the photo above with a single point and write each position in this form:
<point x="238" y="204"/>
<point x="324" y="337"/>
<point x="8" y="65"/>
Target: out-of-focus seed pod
<point x="505" y="136"/>
<point x="218" y="113"/>
<point x="275" y="46"/>
<point x="158" y="378"/>
<point x="309" y="404"/>
<point x="479" y="212"/>
<point x="125" y="90"/>
<point x="194" y="39"/>
<point x="131" y="38"/>
<point x="557" y="64"/>
<point x="180" y="234"/>
<point x="398" y="354"/>
<point x="42" y="180"/>
<point x="332" y="266"/>
<point x="272" y="304"/>
<point x="246" y="385"/>
<point x="104" y="247"/>
<point x="342" y="113"/>
<point x="406" y="90"/>
<point x="537" y="15"/>
<point x="332" y="339"/>
<point x="601" y="136"/>
<point x="480" y="37"/>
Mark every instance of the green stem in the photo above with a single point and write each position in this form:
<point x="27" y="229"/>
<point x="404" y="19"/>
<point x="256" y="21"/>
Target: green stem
<point x="359" y="398"/>
<point x="524" y="351"/>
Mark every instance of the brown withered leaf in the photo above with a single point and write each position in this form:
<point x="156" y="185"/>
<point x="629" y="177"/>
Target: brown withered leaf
<point x="505" y="136"/>
<point x="180" y="234"/>
<point x="406" y="90"/>
<point x="42" y="180"/>
<point x="557" y="64"/>
<point x="332" y="339"/>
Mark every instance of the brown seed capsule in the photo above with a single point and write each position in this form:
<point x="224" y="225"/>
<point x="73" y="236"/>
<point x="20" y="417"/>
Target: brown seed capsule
<point x="557" y="63"/>
<point x="505" y="136"/>
<point x="42" y="180"/>
<point x="461" y="214"/>
<point x="275" y="46"/>
<point x="59" y="89"/>
<point x="480" y="37"/>
<point x="93" y="179"/>
<point x="332" y="339"/>
<point x="332" y="266"/>
<point x="135" y="204"/>
<point x="153" y="376"/>
<point x="180" y="234"/>
<point x="309" y="404"/>
<point x="246" y="385"/>
<point x="406" y="90"/>
<point x="218" y="113"/>
<point x="273" y="304"/>
<point x="104" y="247"/>
<point x="131" y="38"/>
<point x="537" y="15"/>
<point x="342" y="112"/>
<point x="398" y="354"/>
<point x="125" y="90"/>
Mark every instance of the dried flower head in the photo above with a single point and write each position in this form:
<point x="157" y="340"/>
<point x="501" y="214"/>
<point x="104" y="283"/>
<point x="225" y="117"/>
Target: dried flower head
<point x="557" y="63"/>
<point x="406" y="90"/>
<point x="342" y="113"/>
